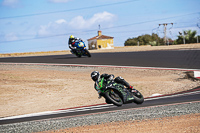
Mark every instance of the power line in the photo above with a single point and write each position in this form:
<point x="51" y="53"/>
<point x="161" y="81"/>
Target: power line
<point x="102" y="28"/>
<point x="150" y="21"/>
<point x="69" y="10"/>
<point x="36" y="38"/>
<point x="71" y="33"/>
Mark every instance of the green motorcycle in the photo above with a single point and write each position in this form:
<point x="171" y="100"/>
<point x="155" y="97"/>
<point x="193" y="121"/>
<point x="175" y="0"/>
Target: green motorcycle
<point x="117" y="94"/>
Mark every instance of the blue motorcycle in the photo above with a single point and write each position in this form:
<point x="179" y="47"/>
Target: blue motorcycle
<point x="81" y="49"/>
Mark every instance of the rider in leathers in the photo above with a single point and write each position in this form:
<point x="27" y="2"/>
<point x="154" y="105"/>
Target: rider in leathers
<point x="95" y="75"/>
<point x="71" y="43"/>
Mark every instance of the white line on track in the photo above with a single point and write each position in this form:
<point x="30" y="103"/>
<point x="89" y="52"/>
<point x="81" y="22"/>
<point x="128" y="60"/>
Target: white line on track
<point x="97" y="107"/>
<point x="160" y="97"/>
<point x="92" y="107"/>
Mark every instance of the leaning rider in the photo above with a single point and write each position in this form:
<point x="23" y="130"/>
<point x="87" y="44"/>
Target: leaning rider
<point x="71" y="43"/>
<point x="96" y="77"/>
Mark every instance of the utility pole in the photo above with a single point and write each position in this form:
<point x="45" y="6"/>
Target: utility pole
<point x="165" y="31"/>
<point x="183" y="35"/>
<point x="138" y="43"/>
<point x="197" y="33"/>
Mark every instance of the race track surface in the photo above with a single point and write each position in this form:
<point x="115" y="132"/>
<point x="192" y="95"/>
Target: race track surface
<point x="187" y="59"/>
<point x="190" y="96"/>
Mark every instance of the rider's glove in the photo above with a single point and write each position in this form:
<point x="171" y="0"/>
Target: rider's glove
<point x="111" y="77"/>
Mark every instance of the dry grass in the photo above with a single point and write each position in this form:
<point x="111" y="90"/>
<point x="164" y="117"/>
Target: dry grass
<point x="116" y="49"/>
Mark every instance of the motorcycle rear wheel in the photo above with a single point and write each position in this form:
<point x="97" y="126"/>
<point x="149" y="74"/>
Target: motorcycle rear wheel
<point x="113" y="97"/>
<point x="78" y="55"/>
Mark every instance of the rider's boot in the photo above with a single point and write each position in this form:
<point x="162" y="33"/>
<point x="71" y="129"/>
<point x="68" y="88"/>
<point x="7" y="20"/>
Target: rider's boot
<point x="74" y="51"/>
<point x="71" y="51"/>
<point x="100" y="94"/>
<point x="122" y="81"/>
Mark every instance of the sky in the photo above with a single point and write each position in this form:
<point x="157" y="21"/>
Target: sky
<point x="45" y="25"/>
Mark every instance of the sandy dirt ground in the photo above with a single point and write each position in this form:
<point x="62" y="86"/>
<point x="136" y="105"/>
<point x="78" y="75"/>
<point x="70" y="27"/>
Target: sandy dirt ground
<point x="28" y="89"/>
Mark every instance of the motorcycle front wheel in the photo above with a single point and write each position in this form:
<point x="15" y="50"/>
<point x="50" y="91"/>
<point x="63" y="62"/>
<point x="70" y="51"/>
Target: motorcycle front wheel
<point x="138" y="97"/>
<point x="87" y="53"/>
<point x="78" y="55"/>
<point x="113" y="97"/>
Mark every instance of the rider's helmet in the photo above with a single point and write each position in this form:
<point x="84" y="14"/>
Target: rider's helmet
<point x="71" y="37"/>
<point x="95" y="75"/>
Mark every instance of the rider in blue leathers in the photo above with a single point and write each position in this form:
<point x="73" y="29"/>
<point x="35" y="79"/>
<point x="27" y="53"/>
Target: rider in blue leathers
<point x="71" y="43"/>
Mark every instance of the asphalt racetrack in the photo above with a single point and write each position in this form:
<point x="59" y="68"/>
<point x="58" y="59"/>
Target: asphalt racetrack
<point x="187" y="59"/>
<point x="190" y="96"/>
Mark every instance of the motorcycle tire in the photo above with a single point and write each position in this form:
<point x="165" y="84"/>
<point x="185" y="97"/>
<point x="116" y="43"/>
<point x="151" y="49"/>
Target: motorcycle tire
<point x="138" y="97"/>
<point x="78" y="55"/>
<point x="108" y="102"/>
<point x="113" y="97"/>
<point x="87" y="53"/>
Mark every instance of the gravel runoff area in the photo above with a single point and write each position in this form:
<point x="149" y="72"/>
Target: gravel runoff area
<point x="177" y="118"/>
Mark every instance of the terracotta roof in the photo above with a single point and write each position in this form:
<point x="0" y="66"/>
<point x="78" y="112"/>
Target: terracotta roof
<point x="101" y="37"/>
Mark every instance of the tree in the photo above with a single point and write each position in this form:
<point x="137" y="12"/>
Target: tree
<point x="131" y="42"/>
<point x="190" y="37"/>
<point x="146" y="39"/>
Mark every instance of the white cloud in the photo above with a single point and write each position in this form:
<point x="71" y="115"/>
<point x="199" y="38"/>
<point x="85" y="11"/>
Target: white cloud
<point x="62" y="26"/>
<point x="59" y="1"/>
<point x="61" y="21"/>
<point x="11" y="37"/>
<point x="43" y="30"/>
<point x="52" y="28"/>
<point x="10" y="3"/>
<point x="80" y="23"/>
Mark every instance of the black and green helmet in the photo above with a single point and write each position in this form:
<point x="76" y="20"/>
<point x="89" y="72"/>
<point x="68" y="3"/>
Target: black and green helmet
<point x="95" y="75"/>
